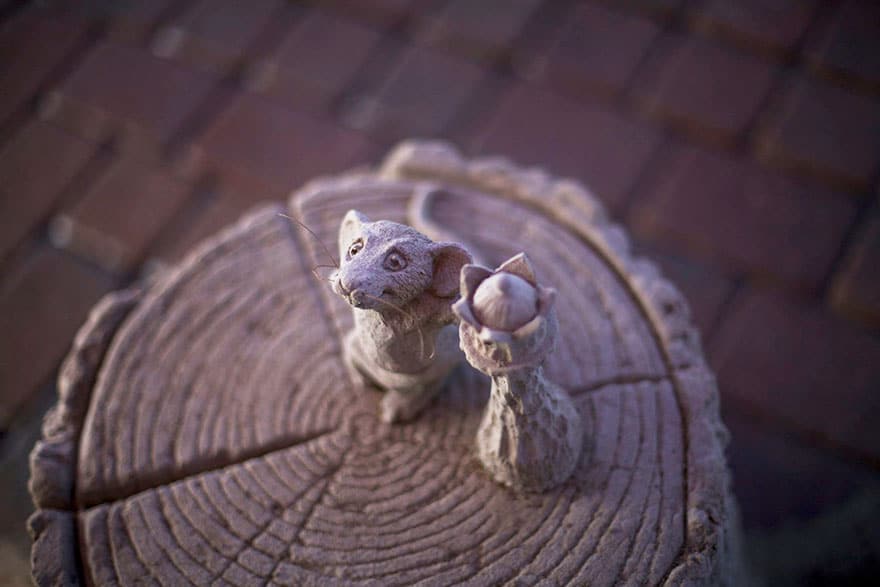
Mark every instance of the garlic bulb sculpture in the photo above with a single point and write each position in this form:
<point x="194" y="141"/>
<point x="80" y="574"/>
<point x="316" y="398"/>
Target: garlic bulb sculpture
<point x="531" y="434"/>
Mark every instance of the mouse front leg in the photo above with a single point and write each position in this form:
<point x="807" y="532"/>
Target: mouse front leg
<point x="402" y="406"/>
<point x="354" y="362"/>
<point x="408" y="396"/>
<point x="405" y="395"/>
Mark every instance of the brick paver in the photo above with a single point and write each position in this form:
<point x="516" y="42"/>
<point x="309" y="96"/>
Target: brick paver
<point x="208" y="219"/>
<point x="850" y="45"/>
<point x="420" y="96"/>
<point x="42" y="304"/>
<point x="382" y="13"/>
<point x="483" y="29"/>
<point x="125" y="89"/>
<point x="856" y="289"/>
<point x="738" y="140"/>
<point x="214" y="207"/>
<point x="597" y="50"/>
<point x="780" y="480"/>
<point x="122" y="21"/>
<point x="27" y="60"/>
<point x="798" y="364"/>
<point x="664" y="9"/>
<point x="28" y="192"/>
<point x="585" y="141"/>
<point x="761" y="222"/>
<point x="215" y="34"/>
<point x="115" y="231"/>
<point x="774" y="25"/>
<point x="281" y="148"/>
<point x="705" y="87"/>
<point x="315" y="61"/>
<point x="826" y="131"/>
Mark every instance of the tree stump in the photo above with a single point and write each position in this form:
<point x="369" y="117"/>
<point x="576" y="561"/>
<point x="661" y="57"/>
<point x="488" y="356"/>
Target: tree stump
<point x="207" y="431"/>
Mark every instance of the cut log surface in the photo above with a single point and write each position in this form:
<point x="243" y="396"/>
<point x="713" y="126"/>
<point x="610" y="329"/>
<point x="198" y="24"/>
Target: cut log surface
<point x="208" y="433"/>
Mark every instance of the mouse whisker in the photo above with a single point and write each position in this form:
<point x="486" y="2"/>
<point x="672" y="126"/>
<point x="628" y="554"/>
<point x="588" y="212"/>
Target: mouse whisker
<point x="320" y="277"/>
<point x="316" y="267"/>
<point x="315" y="236"/>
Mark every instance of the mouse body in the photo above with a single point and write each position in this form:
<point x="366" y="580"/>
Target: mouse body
<point x="401" y="286"/>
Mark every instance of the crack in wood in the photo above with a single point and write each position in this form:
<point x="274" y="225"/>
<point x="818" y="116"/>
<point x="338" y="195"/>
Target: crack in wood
<point x="564" y="496"/>
<point x="659" y="530"/>
<point x="326" y="481"/>
<point x="635" y="537"/>
<point x="198" y="467"/>
<point x="623" y="380"/>
<point x="250" y="542"/>
<point x="595" y="517"/>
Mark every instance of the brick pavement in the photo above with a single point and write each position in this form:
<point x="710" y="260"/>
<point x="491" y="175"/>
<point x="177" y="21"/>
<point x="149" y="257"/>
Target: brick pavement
<point x="738" y="140"/>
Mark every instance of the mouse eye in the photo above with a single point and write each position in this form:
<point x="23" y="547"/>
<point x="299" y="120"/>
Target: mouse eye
<point x="394" y="261"/>
<point x="355" y="248"/>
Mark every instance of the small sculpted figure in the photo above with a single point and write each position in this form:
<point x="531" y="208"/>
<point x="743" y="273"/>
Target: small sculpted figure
<point x="531" y="434"/>
<point x="401" y="286"/>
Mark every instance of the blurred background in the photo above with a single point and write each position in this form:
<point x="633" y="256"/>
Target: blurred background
<point x="738" y="141"/>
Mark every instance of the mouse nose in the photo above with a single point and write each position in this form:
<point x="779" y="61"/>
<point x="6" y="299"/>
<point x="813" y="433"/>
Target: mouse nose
<point x="356" y="296"/>
<point x="345" y="283"/>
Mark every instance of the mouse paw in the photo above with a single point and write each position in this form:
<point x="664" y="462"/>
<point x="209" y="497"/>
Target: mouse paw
<point x="401" y="407"/>
<point x="357" y="378"/>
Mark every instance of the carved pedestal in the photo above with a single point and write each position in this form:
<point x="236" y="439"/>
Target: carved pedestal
<point x="207" y="430"/>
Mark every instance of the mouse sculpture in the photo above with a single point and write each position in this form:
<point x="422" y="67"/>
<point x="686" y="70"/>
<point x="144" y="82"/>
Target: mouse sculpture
<point x="401" y="286"/>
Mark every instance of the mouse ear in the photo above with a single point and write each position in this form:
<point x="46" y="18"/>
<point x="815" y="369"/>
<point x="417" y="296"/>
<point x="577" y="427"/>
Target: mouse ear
<point x="449" y="258"/>
<point x="350" y="229"/>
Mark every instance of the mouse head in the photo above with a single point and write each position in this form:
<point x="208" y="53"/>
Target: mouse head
<point x="385" y="264"/>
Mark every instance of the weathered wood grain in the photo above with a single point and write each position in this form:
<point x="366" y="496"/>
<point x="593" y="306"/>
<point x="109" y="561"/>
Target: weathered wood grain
<point x="212" y="366"/>
<point x="224" y="443"/>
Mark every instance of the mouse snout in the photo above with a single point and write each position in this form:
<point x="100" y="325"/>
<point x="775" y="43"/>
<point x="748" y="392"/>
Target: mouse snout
<point x="342" y="282"/>
<point x="357" y="297"/>
<point x="348" y="288"/>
